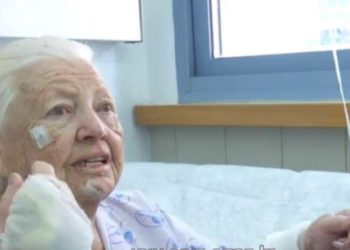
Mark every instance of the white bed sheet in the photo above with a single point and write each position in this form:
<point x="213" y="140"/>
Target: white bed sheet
<point x="237" y="206"/>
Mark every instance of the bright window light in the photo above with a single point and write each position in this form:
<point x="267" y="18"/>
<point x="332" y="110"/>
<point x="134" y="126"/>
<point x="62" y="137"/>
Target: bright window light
<point x="255" y="27"/>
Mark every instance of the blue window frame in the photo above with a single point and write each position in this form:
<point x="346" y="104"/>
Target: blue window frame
<point x="288" y="77"/>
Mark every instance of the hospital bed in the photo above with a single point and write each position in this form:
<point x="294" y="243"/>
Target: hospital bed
<point x="237" y="206"/>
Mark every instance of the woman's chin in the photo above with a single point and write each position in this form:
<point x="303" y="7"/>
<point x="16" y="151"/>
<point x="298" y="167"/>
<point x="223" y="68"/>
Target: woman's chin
<point x="97" y="188"/>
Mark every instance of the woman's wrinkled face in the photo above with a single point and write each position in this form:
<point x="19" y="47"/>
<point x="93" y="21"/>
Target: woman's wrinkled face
<point x="70" y="100"/>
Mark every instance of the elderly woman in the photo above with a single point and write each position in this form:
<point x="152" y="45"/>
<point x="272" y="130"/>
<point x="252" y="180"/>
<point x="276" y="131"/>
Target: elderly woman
<point x="56" y="109"/>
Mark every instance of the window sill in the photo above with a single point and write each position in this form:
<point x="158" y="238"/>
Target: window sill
<point x="258" y="114"/>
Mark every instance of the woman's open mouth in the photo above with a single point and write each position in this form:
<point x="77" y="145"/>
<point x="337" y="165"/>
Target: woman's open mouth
<point x="94" y="162"/>
<point x="93" y="165"/>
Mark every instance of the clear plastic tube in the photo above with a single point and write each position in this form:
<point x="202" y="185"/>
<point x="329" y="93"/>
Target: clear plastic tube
<point x="340" y="84"/>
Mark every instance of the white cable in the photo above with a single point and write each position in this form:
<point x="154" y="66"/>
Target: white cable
<point x="341" y="90"/>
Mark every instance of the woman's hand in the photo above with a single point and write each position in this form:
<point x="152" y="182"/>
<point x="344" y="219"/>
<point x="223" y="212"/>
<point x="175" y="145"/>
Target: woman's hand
<point x="14" y="184"/>
<point x="48" y="203"/>
<point x="328" y="232"/>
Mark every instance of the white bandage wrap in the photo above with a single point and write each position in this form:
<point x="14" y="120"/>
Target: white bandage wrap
<point x="44" y="215"/>
<point x="288" y="239"/>
<point x="41" y="136"/>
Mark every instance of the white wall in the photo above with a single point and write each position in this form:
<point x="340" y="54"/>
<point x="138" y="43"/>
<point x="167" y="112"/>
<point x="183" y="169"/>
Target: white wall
<point x="140" y="73"/>
<point x="145" y="73"/>
<point x="160" y="46"/>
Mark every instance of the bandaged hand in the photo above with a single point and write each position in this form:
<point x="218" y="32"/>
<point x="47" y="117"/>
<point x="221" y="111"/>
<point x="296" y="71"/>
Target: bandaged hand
<point x="327" y="233"/>
<point x="43" y="215"/>
<point x="14" y="183"/>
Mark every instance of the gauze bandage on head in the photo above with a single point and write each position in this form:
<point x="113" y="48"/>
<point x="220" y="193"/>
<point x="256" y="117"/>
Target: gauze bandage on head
<point x="41" y="136"/>
<point x="44" y="215"/>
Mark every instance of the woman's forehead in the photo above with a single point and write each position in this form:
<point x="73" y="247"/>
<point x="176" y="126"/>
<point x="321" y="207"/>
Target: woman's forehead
<point x="58" y="68"/>
<point x="59" y="74"/>
<point x="73" y="90"/>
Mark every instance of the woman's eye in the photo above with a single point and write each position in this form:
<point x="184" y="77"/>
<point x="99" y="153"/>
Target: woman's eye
<point x="58" y="111"/>
<point x="107" y="107"/>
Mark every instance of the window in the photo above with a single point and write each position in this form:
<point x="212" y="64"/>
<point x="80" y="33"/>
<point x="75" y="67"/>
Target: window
<point x="238" y="29"/>
<point x="251" y="50"/>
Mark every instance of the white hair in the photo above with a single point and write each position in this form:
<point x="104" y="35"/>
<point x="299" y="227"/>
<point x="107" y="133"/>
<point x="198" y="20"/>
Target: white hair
<point x="21" y="53"/>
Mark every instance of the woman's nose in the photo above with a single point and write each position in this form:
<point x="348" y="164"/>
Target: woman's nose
<point x="91" y="128"/>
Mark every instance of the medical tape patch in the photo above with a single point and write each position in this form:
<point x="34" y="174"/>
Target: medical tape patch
<point x="41" y="136"/>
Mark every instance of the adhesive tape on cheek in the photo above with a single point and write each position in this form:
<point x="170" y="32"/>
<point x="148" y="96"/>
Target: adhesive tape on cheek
<point x="41" y="136"/>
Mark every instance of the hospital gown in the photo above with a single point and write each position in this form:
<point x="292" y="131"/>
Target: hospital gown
<point x="130" y="221"/>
